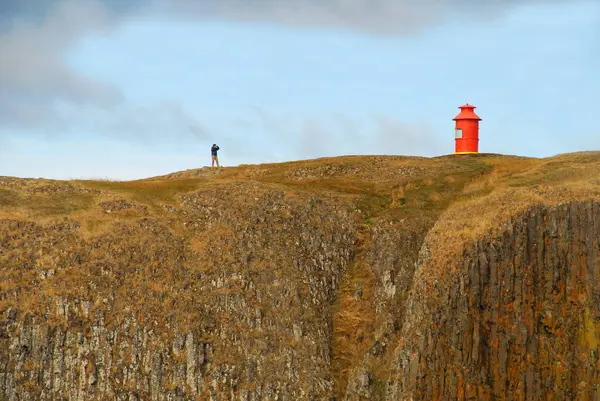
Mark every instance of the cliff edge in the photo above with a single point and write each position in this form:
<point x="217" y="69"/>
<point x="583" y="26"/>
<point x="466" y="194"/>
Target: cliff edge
<point x="351" y="278"/>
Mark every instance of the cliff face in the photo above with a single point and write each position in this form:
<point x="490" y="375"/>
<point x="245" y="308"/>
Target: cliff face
<point x="516" y="316"/>
<point x="219" y="301"/>
<point x="357" y="278"/>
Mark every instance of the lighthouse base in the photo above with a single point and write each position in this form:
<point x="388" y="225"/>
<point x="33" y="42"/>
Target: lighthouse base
<point x="466" y="153"/>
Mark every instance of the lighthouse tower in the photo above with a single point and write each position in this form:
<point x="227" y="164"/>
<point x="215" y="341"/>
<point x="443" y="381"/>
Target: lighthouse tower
<point x="467" y="131"/>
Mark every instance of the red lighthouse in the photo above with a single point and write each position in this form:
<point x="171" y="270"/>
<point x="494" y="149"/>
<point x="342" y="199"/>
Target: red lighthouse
<point x="467" y="130"/>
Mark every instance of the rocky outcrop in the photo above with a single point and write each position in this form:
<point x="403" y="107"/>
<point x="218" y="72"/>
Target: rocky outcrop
<point x="307" y="287"/>
<point x="120" y="205"/>
<point x="516" y="317"/>
<point x="222" y="301"/>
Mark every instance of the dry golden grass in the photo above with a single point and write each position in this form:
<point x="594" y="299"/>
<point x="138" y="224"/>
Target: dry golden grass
<point x="467" y="196"/>
<point x="372" y="177"/>
<point x="148" y="192"/>
<point x="398" y="198"/>
<point x="435" y="197"/>
<point x="511" y="188"/>
<point x="353" y="322"/>
<point x="93" y="225"/>
<point x="491" y="187"/>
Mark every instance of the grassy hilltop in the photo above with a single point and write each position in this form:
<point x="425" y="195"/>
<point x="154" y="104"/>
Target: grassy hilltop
<point x="257" y="264"/>
<point x="487" y="186"/>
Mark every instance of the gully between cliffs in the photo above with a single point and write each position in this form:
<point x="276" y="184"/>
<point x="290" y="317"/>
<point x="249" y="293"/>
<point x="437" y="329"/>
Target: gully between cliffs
<point x="515" y="317"/>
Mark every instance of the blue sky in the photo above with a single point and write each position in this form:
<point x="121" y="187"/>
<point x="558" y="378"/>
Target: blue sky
<point x="148" y="93"/>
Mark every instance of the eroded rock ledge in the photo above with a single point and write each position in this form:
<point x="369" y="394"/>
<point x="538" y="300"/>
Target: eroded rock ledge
<point x="517" y="316"/>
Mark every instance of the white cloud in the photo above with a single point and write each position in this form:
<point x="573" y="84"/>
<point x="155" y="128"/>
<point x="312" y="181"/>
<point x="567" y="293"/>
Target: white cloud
<point x="34" y="35"/>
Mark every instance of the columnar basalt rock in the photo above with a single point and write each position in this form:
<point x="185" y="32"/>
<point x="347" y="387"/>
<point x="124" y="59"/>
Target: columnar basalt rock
<point x="245" y="316"/>
<point x="347" y="279"/>
<point x="516" y="317"/>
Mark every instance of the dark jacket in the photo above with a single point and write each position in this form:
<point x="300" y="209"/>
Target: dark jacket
<point x="213" y="150"/>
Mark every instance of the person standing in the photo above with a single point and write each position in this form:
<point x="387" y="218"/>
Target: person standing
<point x="213" y="152"/>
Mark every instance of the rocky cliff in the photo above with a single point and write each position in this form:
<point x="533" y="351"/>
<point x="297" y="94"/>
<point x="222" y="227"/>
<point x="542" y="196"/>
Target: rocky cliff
<point x="355" y="278"/>
<point x="515" y="317"/>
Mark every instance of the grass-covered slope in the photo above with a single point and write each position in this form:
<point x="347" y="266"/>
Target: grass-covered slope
<point x="275" y="280"/>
